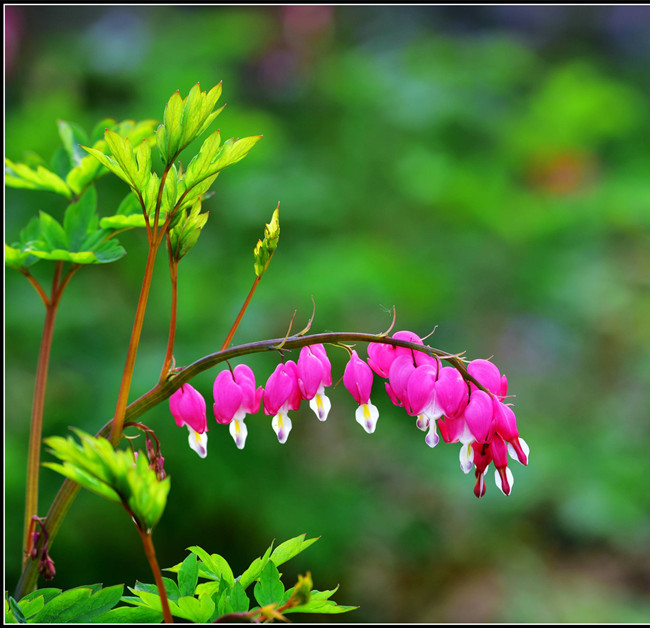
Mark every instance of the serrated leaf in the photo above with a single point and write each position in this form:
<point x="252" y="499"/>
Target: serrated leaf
<point x="31" y="607"/>
<point x="217" y="565"/>
<point x="79" y="219"/>
<point x="47" y="594"/>
<point x="99" y="603"/>
<point x="197" y="611"/>
<point x="22" y="176"/>
<point x="269" y="589"/>
<point x="287" y="550"/>
<point x="188" y="576"/>
<point x="84" y="479"/>
<point x="238" y="599"/>
<point x="173" y="593"/>
<point x="53" y="233"/>
<point x="129" y="615"/>
<point x="63" y="608"/>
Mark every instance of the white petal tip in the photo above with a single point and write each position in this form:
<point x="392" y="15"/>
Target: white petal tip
<point x="366" y="416"/>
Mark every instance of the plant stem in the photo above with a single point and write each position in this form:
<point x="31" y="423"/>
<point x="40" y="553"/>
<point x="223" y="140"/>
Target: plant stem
<point x="150" y="552"/>
<point x="233" y="329"/>
<point x="36" y="426"/>
<point x="173" y="274"/>
<point x="127" y="376"/>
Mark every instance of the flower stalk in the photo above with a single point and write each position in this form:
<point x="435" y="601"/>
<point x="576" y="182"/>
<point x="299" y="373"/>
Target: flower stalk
<point x="36" y="426"/>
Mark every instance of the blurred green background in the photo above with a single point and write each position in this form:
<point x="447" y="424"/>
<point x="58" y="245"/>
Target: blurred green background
<point x="482" y="169"/>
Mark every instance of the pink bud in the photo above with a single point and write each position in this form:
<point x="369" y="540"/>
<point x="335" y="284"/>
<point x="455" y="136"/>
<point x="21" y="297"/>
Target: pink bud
<point x="357" y="378"/>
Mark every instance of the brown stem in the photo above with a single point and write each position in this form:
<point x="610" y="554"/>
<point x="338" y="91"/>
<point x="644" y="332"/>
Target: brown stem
<point x="235" y="325"/>
<point x="37" y="286"/>
<point x="150" y="552"/>
<point x="36" y="426"/>
<point x="127" y="376"/>
<point x="173" y="274"/>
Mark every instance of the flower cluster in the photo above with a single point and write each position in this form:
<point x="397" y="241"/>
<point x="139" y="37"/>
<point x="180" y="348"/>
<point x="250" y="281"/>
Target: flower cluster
<point x="443" y="403"/>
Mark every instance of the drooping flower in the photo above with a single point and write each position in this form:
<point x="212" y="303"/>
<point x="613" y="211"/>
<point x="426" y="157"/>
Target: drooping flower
<point x="235" y="396"/>
<point x="357" y="378"/>
<point x="314" y="373"/>
<point x="423" y="400"/>
<point x="188" y="408"/>
<point x="282" y="394"/>
<point x="489" y="376"/>
<point x="381" y="356"/>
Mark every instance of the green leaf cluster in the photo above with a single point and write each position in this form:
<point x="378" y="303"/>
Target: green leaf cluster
<point x="222" y="593"/>
<point x="187" y="230"/>
<point x="184" y="120"/>
<point x="265" y="248"/>
<point x="78" y="240"/>
<point x="71" y="170"/>
<point x="113" y="474"/>
<point x="86" y="604"/>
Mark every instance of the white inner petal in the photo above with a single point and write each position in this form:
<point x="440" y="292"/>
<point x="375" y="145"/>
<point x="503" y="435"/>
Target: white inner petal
<point x="466" y="457"/>
<point x="321" y="406"/>
<point x="239" y="432"/>
<point x="366" y="416"/>
<point x="198" y="442"/>
<point x="281" y="426"/>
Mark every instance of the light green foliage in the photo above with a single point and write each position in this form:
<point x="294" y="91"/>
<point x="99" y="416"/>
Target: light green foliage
<point x="40" y="178"/>
<point x="80" y="605"/>
<point x="184" y="235"/>
<point x="185" y="119"/>
<point x="113" y="474"/>
<point x="202" y="602"/>
<point x="78" y="240"/>
<point x="72" y="170"/>
<point x="265" y="248"/>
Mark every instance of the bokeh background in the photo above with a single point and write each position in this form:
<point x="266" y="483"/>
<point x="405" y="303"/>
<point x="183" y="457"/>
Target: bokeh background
<point x="484" y="170"/>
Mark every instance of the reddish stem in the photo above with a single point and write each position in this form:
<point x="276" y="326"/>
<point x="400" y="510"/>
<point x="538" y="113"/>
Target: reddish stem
<point x="235" y="325"/>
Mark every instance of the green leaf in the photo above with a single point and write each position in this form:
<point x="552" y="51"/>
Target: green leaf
<point x="172" y="590"/>
<point x="63" y="608"/>
<point x="198" y="611"/>
<point x="255" y="569"/>
<point x="129" y="615"/>
<point x="17" y="611"/>
<point x="129" y="214"/>
<point x="31" y="607"/>
<point x="47" y="594"/>
<point x="238" y="599"/>
<point x="216" y="564"/>
<point x="319" y="602"/>
<point x="72" y="136"/>
<point x="269" y="589"/>
<point x="22" y="176"/>
<point x="287" y="550"/>
<point x="84" y="479"/>
<point x="53" y="233"/>
<point x="99" y="603"/>
<point x="79" y="219"/>
<point x="188" y="576"/>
